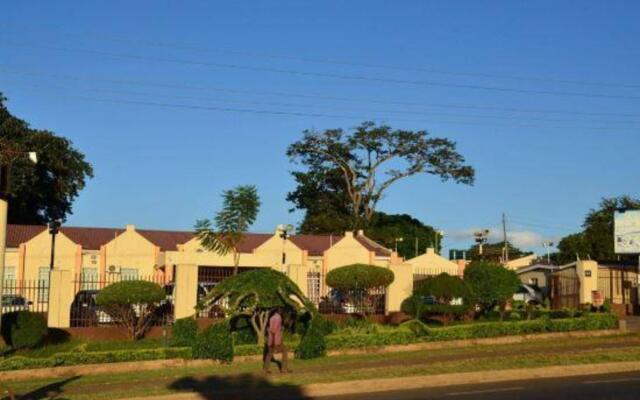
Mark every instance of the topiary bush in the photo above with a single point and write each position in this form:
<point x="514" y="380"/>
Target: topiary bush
<point x="184" y="332"/>
<point x="359" y="277"/>
<point x="444" y="288"/>
<point x="214" y="343"/>
<point x="492" y="284"/>
<point x="242" y="332"/>
<point x="131" y="304"/>
<point x="313" y="344"/>
<point x="23" y="329"/>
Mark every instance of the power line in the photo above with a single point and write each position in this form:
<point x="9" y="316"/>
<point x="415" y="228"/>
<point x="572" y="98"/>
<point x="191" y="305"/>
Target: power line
<point x="309" y="114"/>
<point x="331" y="61"/>
<point x="420" y="113"/>
<point x="360" y="78"/>
<point x="27" y="72"/>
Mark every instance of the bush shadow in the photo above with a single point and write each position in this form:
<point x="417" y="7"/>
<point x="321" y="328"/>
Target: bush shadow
<point x="50" y="391"/>
<point x="244" y="386"/>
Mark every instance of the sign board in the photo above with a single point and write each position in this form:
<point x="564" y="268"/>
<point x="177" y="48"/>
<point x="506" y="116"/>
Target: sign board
<point x="627" y="232"/>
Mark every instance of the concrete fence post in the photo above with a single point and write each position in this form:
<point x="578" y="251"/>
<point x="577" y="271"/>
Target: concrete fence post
<point x="61" y="295"/>
<point x="401" y="288"/>
<point x="587" y="272"/>
<point x="185" y="292"/>
<point x="298" y="274"/>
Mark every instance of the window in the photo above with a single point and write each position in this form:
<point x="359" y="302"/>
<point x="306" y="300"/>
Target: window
<point x="9" y="276"/>
<point x="89" y="279"/>
<point x="129" y="274"/>
<point x="43" y="284"/>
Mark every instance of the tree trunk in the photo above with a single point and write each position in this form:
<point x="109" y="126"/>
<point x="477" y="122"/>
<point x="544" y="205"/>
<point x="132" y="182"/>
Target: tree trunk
<point x="236" y="261"/>
<point x="259" y="323"/>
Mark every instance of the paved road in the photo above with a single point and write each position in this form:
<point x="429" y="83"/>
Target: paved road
<point x="624" y="386"/>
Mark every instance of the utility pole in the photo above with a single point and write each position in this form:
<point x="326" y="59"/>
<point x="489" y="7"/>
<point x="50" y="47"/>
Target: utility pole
<point x="416" y="246"/>
<point x="505" y="249"/>
<point x="547" y="246"/>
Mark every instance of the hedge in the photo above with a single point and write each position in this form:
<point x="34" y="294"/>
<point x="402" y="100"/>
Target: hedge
<point x="23" y="329"/>
<point x="98" y="357"/>
<point x="409" y="332"/>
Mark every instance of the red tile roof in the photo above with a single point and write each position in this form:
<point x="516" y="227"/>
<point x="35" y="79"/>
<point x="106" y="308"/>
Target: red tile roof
<point x="18" y="234"/>
<point x="90" y="238"/>
<point x="166" y="240"/>
<point x="315" y="244"/>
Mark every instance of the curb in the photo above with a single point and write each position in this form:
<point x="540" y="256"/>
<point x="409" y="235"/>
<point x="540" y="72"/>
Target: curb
<point x="98" y="369"/>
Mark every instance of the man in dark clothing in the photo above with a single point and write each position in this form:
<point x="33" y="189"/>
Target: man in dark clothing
<point x="275" y="343"/>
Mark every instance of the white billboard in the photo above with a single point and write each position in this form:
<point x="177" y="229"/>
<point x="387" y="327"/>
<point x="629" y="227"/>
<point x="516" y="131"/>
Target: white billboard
<point x="627" y="232"/>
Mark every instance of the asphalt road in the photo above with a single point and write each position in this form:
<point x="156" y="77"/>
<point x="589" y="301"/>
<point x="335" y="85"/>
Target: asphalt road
<point x="620" y="386"/>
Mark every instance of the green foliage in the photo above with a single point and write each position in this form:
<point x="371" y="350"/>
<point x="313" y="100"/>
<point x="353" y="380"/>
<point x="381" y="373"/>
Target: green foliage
<point x="239" y="211"/>
<point x="23" y="329"/>
<point x="386" y="228"/>
<point x="341" y="166"/>
<point x="313" y="344"/>
<point x="359" y="277"/>
<point x="102" y="357"/>
<point x="214" y="343"/>
<point x="444" y="288"/>
<point x="60" y="166"/>
<point x="184" y="332"/>
<point x="413" y="306"/>
<point x="491" y="284"/>
<point x="131" y="304"/>
<point x="596" y="240"/>
<point x="242" y="332"/>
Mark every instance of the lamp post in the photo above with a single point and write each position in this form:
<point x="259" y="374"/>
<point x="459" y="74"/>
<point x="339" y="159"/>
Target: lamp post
<point x="481" y="238"/>
<point x="285" y="232"/>
<point x="547" y="246"/>
<point x="54" y="228"/>
<point x="6" y="157"/>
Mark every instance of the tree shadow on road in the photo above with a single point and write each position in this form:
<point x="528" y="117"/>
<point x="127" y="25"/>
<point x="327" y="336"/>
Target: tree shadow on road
<point x="244" y="386"/>
<point x="50" y="391"/>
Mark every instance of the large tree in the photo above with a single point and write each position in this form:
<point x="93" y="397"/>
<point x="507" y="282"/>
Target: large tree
<point x="596" y="241"/>
<point x="371" y="159"/>
<point x="44" y="191"/>
<point x="239" y="211"/>
<point x="494" y="252"/>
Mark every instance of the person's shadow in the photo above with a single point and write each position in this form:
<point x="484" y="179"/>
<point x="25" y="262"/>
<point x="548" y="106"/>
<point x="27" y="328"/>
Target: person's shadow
<point x="244" y="386"/>
<point x="50" y="391"/>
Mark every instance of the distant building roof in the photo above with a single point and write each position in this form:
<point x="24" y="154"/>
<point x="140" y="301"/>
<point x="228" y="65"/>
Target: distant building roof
<point x="18" y="234"/>
<point x="315" y="245"/>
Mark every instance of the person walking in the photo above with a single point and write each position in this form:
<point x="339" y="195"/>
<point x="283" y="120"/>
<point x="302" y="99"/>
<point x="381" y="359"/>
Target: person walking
<point x="275" y="342"/>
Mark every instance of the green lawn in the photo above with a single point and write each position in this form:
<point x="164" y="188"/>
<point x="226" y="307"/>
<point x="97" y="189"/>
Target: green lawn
<point x="365" y="366"/>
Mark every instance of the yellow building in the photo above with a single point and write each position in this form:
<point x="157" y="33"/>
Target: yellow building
<point x="87" y="258"/>
<point x="431" y="263"/>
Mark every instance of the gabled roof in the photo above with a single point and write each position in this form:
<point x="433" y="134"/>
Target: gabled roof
<point x="18" y="234"/>
<point x="371" y="245"/>
<point x="252" y="241"/>
<point x="315" y="245"/>
<point x="90" y="238"/>
<point x="166" y="240"/>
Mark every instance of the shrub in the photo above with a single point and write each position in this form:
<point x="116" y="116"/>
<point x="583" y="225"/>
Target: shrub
<point x="413" y="306"/>
<point x="313" y="344"/>
<point x="184" y="332"/>
<point x="491" y="284"/>
<point x="242" y="332"/>
<point x="418" y="328"/>
<point x="446" y="312"/>
<point x="214" y="343"/>
<point x="444" y="288"/>
<point x="359" y="277"/>
<point x="23" y="329"/>
<point x="131" y="304"/>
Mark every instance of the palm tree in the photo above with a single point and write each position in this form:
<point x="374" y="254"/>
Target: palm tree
<point x="239" y="211"/>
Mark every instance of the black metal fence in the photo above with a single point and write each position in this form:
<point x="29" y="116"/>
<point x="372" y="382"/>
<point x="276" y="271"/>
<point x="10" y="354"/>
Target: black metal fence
<point x="420" y="274"/>
<point x="565" y="291"/>
<point x="208" y="278"/>
<point x="85" y="312"/>
<point x="333" y="301"/>
<point x="30" y="295"/>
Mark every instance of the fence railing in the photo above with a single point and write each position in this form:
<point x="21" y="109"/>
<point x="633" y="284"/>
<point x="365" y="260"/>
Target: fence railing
<point x="420" y="274"/>
<point x="333" y="301"/>
<point x="31" y="295"/>
<point x="85" y="312"/>
<point x="565" y="291"/>
<point x="208" y="278"/>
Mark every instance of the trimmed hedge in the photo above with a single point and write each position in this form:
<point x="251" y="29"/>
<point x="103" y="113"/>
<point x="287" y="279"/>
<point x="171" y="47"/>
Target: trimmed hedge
<point x="359" y="277"/>
<point x="214" y="343"/>
<point x="98" y="357"/>
<point x="23" y="329"/>
<point x="184" y="332"/>
<point x="313" y="343"/>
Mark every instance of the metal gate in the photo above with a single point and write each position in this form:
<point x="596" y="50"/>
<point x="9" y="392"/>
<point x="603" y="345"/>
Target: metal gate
<point x="565" y="291"/>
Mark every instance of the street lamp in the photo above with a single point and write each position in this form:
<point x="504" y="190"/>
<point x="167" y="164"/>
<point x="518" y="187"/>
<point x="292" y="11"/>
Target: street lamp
<point x="547" y="246"/>
<point x="285" y="232"/>
<point x="396" y="241"/>
<point x="481" y="238"/>
<point x="6" y="158"/>
<point x="54" y="229"/>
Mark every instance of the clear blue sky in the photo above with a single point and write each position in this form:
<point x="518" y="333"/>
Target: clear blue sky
<point x="164" y="167"/>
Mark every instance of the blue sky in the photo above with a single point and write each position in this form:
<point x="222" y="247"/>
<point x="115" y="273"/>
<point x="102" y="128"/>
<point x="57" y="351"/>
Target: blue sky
<point x="546" y="150"/>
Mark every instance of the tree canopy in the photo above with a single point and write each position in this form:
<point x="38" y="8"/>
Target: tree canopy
<point x="359" y="277"/>
<point x="443" y="287"/>
<point x="494" y="252"/>
<point x="44" y="191"/>
<point x="491" y="283"/>
<point x="239" y="211"/>
<point x="363" y="164"/>
<point x="596" y="241"/>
